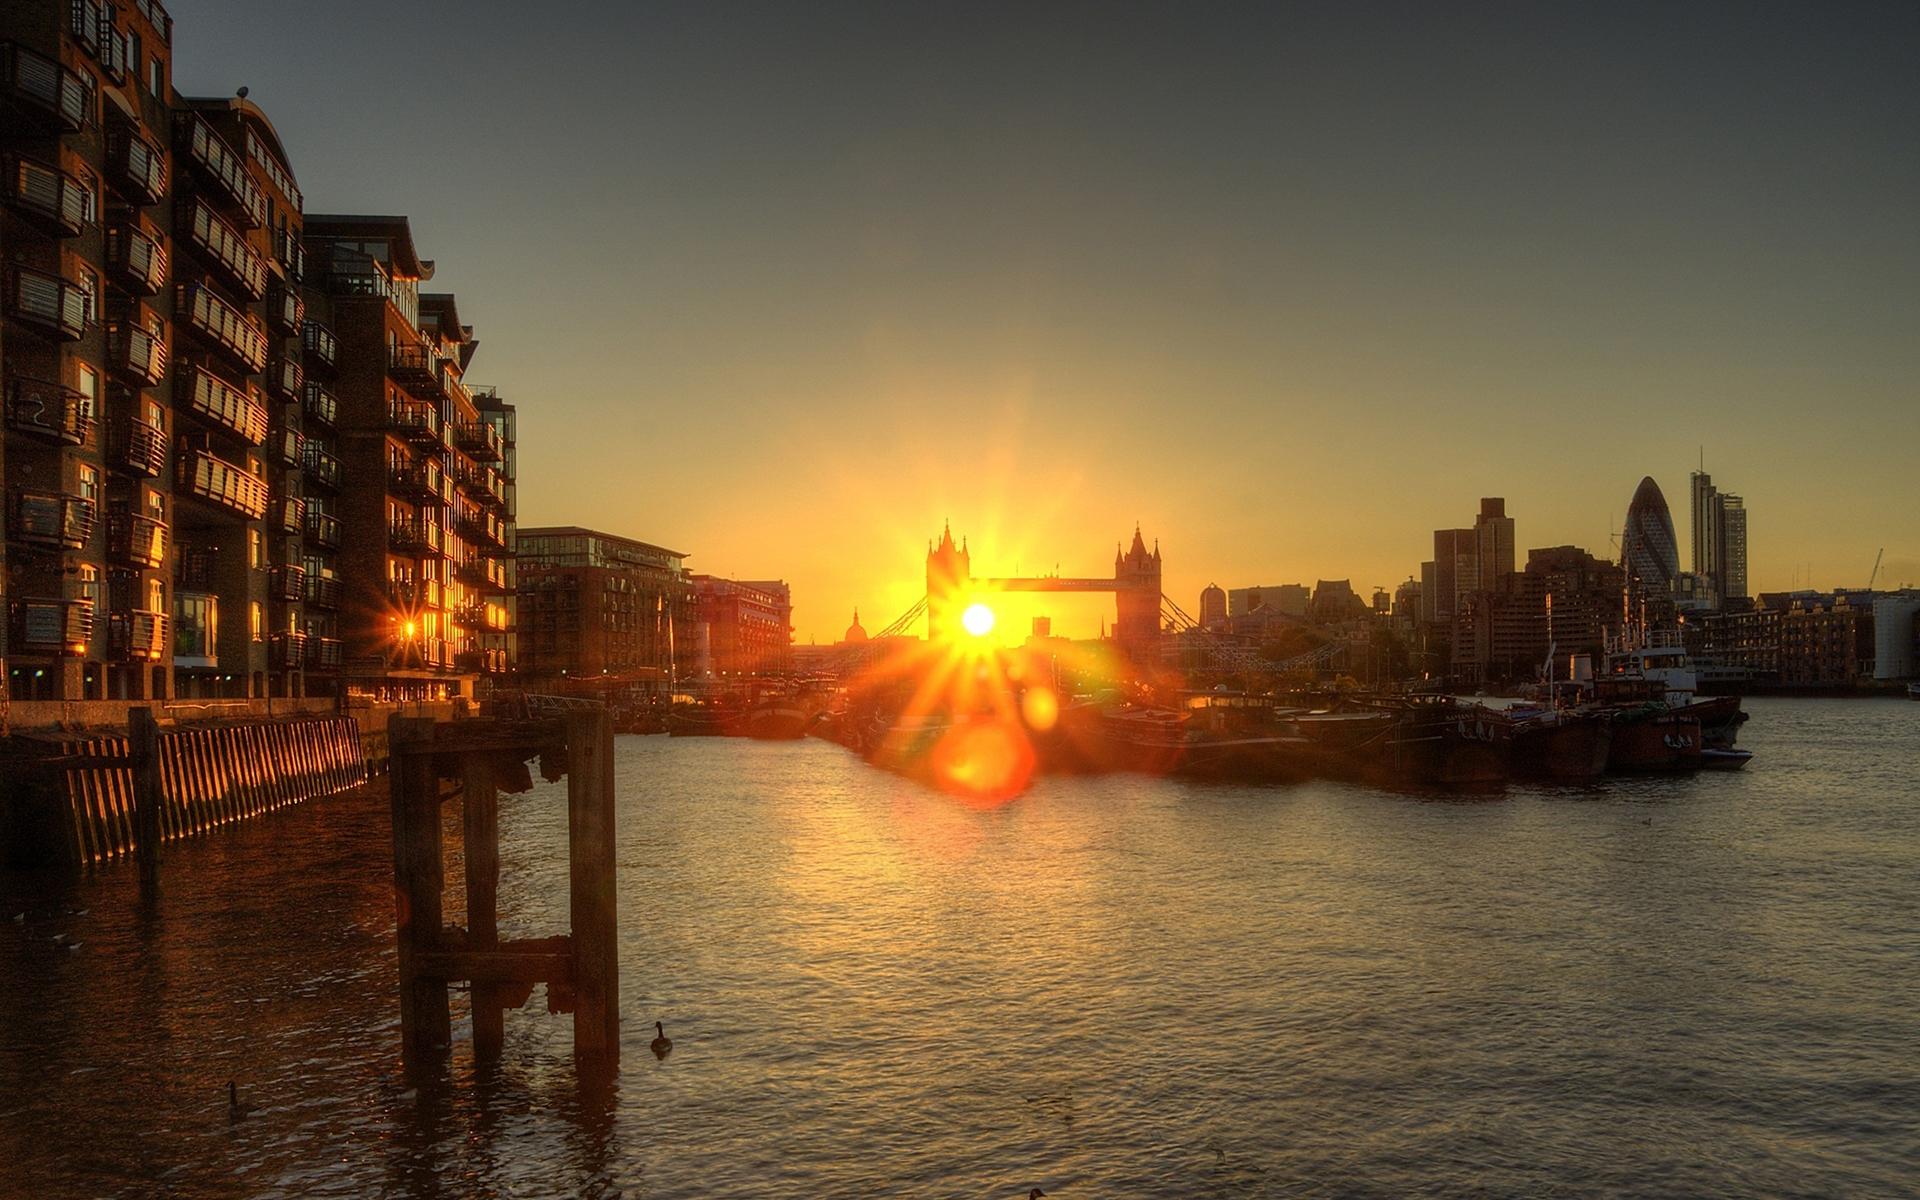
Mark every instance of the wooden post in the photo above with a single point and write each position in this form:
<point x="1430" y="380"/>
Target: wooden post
<point x="590" y="834"/>
<point x="481" y="827"/>
<point x="426" y="1023"/>
<point x="143" y="740"/>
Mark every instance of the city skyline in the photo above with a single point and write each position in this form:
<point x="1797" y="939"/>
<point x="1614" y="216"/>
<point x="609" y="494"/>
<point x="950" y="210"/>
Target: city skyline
<point x="792" y="291"/>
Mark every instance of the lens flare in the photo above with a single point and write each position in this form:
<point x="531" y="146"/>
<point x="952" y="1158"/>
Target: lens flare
<point x="986" y="761"/>
<point x="978" y="620"/>
<point x="1040" y="708"/>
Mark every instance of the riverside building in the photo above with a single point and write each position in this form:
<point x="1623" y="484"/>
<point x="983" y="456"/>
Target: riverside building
<point x="208" y="493"/>
<point x="608" y="610"/>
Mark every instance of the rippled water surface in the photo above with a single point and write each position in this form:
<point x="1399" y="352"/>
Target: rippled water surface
<point x="1109" y="987"/>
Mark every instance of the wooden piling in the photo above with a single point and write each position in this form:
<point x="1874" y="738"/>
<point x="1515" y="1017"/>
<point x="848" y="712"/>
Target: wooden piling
<point x="481" y="828"/>
<point x="590" y="836"/>
<point x="143" y="740"/>
<point x="426" y="1023"/>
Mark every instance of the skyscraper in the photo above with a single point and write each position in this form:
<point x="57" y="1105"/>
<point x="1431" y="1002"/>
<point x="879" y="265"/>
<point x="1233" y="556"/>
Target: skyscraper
<point x="1493" y="542"/>
<point x="1648" y="549"/>
<point x="1733" y="555"/>
<point x="1719" y="538"/>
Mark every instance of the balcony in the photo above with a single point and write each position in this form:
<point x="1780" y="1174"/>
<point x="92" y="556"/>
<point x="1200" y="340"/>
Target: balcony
<point x="136" y="542"/>
<point x="285" y="311"/>
<point x="323" y="530"/>
<point x="478" y="440"/>
<point x="139" y="166"/>
<point x="285" y="446"/>
<point x="50" y="520"/>
<point x="59" y="98"/>
<point x="138" y="259"/>
<point x="419" y="538"/>
<point x="224" y="327"/>
<point x="287" y="248"/>
<point x="413" y="596"/>
<point x="208" y="477"/>
<point x="218" y="163"/>
<point x="483" y="530"/>
<point x="137" y="351"/>
<point x="320" y="404"/>
<point x="484" y="485"/>
<point x="62" y="627"/>
<point x="415" y="367"/>
<point x="224" y="247"/>
<point x="322" y="348"/>
<point x="141" y="449"/>
<point x="324" y="654"/>
<point x="53" y="199"/>
<point x="232" y="410"/>
<point x="481" y="662"/>
<point x="287" y="514"/>
<point x="424" y="484"/>
<point x="54" y="305"/>
<point x="48" y="410"/>
<point x="418" y="424"/>
<point x="285" y="380"/>
<point x="137" y="636"/>
<point x="323" y="591"/>
<point x="321" y="468"/>
<point x="287" y="651"/>
<point x="471" y="615"/>
<point x="288" y="583"/>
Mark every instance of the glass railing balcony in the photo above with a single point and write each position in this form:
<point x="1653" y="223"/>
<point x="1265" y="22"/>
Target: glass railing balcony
<point x="285" y="379"/>
<point x="223" y="326"/>
<point x="138" y="635"/>
<point x="141" y="448"/>
<point x="138" y="164"/>
<point x="321" y="468"/>
<point x="53" y="199"/>
<point x="217" y="162"/>
<point x="287" y="514"/>
<point x="321" y="346"/>
<point x="233" y="410"/>
<point x="137" y="542"/>
<point x="48" y="410"/>
<point x="288" y="583"/>
<point x="50" y="520"/>
<point x="60" y="627"/>
<point x="323" y="591"/>
<point x="208" y="477"/>
<point x="478" y="440"/>
<point x="324" y="654"/>
<point x="224" y="248"/>
<point x="62" y="98"/>
<point x="417" y="423"/>
<point x="285" y="311"/>
<point x="287" y="651"/>
<point x="423" y="484"/>
<point x="420" y="538"/>
<point x="323" y="530"/>
<point x="137" y="258"/>
<point x="56" y="306"/>
<point x="320" y="405"/>
<point x="137" y="352"/>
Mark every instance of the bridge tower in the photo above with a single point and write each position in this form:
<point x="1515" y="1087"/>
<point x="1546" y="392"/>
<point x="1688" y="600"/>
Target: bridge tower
<point x="1136" y="584"/>
<point x="949" y="585"/>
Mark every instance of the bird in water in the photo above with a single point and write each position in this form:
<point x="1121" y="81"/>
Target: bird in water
<point x="236" y="1111"/>
<point x="661" y="1042"/>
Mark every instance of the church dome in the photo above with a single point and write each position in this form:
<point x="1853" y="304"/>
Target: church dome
<point x="854" y="631"/>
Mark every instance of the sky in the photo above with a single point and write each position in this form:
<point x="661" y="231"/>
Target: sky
<point x="787" y="287"/>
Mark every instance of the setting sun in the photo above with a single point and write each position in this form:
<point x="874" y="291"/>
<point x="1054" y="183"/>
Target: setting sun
<point x="978" y="620"/>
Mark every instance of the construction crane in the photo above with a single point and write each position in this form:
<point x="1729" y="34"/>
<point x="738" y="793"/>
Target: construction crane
<point x="1876" y="568"/>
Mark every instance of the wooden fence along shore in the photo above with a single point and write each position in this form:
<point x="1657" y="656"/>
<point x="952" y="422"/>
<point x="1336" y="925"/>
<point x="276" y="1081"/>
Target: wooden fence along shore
<point x="70" y="800"/>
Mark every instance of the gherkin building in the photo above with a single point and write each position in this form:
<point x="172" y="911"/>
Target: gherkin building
<point x="1648" y="549"/>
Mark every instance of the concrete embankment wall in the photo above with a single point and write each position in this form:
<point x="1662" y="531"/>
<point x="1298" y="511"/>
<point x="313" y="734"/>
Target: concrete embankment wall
<point x="62" y="806"/>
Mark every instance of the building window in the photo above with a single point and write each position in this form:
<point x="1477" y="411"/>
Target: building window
<point x="256" y="554"/>
<point x="94" y="593"/>
<point x="89" y="483"/>
<point x="87" y="383"/>
<point x="156" y="596"/>
<point x="257" y="620"/>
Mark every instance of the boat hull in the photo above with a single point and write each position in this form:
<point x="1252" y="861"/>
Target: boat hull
<point x="1562" y="746"/>
<point x="1665" y="742"/>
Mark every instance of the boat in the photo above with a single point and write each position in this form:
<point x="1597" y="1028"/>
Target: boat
<point x="1568" y="745"/>
<point x="704" y="717"/>
<point x="1653" y="737"/>
<point x="1437" y="743"/>
<point x="780" y="718"/>
<point x="1713" y="758"/>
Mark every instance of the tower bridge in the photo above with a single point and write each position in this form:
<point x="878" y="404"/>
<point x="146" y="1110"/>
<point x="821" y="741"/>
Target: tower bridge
<point x="951" y="586"/>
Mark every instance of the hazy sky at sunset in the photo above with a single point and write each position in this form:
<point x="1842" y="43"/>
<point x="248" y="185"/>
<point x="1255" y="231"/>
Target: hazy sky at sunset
<point x="785" y="287"/>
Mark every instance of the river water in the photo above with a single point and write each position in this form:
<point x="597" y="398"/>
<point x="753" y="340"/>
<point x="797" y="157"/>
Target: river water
<point x="1108" y="987"/>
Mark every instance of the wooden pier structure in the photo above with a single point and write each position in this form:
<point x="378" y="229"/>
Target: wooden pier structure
<point x="581" y="967"/>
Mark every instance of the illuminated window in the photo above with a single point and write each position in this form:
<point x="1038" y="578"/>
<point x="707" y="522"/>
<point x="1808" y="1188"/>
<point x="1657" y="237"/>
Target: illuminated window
<point x="257" y="620"/>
